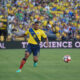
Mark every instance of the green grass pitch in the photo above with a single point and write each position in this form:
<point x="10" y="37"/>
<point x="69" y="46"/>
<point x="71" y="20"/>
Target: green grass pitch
<point x="50" y="66"/>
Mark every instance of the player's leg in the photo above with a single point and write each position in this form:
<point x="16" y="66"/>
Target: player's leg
<point x="35" y="59"/>
<point x="27" y="54"/>
<point x="36" y="51"/>
<point x="23" y="61"/>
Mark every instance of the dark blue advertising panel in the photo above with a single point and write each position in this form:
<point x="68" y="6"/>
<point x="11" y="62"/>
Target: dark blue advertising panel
<point x="52" y="44"/>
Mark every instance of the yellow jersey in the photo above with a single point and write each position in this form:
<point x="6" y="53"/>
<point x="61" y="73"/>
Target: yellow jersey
<point x="40" y="33"/>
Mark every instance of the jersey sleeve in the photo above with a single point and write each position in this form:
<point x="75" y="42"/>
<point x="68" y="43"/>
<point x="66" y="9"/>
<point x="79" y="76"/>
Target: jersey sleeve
<point x="27" y="32"/>
<point x="43" y="34"/>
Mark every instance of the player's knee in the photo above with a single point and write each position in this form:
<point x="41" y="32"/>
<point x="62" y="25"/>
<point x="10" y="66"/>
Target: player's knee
<point x="27" y="55"/>
<point x="35" y="59"/>
<point x="24" y="59"/>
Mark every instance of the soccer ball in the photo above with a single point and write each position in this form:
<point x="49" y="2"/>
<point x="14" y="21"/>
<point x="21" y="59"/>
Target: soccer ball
<point x="67" y="58"/>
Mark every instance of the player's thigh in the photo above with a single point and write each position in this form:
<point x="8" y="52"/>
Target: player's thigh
<point x="36" y="50"/>
<point x="28" y="50"/>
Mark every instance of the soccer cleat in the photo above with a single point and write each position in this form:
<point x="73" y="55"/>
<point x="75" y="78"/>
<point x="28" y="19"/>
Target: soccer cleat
<point x="35" y="64"/>
<point x="19" y="70"/>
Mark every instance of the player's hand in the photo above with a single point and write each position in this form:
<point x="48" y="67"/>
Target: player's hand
<point x="47" y="45"/>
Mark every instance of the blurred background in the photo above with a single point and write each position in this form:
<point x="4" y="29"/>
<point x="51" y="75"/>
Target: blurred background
<point x="60" y="19"/>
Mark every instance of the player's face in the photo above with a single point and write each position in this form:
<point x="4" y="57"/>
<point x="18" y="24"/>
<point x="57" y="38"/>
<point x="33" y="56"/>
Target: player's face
<point x="36" y="26"/>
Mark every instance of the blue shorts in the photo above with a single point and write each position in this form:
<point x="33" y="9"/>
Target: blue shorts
<point x="31" y="48"/>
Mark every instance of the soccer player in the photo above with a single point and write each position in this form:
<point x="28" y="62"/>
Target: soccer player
<point x="35" y="35"/>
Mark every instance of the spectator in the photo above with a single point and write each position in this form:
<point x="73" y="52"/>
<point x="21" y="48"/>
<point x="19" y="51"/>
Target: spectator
<point x="58" y="17"/>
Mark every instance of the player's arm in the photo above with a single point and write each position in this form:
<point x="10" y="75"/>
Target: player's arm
<point x="23" y="35"/>
<point x="45" y="37"/>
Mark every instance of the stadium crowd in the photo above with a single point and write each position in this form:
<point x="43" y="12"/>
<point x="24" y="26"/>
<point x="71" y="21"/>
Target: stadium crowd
<point x="60" y="18"/>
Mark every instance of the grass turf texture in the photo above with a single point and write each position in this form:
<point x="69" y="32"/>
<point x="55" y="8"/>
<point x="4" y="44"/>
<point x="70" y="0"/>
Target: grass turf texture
<point x="50" y="66"/>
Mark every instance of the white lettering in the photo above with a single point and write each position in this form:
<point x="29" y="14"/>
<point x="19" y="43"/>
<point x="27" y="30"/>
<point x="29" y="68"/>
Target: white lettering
<point x="64" y="44"/>
<point x="24" y="44"/>
<point x="49" y="44"/>
<point x="59" y="44"/>
<point x="53" y="44"/>
<point x="69" y="44"/>
<point x="77" y="44"/>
